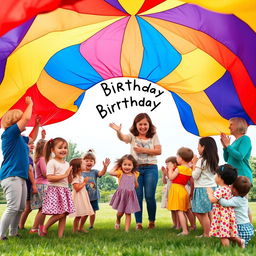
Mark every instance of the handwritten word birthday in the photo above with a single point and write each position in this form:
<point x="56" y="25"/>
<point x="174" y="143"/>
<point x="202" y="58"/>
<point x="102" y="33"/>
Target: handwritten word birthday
<point x="131" y="85"/>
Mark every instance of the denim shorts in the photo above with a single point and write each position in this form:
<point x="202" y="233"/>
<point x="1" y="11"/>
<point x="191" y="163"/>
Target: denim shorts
<point x="95" y="205"/>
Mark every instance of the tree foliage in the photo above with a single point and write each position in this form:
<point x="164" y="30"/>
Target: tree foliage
<point x="107" y="183"/>
<point x="73" y="152"/>
<point x="252" y="193"/>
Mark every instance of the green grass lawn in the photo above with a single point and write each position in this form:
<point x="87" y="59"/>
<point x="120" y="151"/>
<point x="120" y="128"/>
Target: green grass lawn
<point x="104" y="240"/>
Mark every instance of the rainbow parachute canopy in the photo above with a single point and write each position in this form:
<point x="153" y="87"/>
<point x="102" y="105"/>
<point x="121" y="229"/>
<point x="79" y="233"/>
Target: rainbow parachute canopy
<point x="55" y="50"/>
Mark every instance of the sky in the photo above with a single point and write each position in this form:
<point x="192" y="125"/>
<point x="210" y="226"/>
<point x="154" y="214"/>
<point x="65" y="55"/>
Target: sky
<point x="89" y="130"/>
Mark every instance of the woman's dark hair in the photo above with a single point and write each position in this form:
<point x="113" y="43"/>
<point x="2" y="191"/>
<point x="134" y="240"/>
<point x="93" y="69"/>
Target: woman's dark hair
<point x="228" y="173"/>
<point x="129" y="157"/>
<point x="152" y="129"/>
<point x="50" y="145"/>
<point x="210" y="153"/>
<point x="76" y="166"/>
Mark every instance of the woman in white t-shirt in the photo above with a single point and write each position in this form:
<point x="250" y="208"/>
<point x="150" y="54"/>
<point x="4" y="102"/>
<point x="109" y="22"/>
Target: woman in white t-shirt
<point x="145" y="146"/>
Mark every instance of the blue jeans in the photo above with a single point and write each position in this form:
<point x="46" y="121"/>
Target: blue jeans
<point x="147" y="181"/>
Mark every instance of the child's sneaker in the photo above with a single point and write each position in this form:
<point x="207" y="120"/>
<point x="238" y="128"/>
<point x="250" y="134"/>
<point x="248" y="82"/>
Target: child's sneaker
<point x="91" y="227"/>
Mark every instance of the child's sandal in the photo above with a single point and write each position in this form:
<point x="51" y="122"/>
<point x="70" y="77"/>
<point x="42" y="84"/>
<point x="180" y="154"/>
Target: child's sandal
<point x="40" y="231"/>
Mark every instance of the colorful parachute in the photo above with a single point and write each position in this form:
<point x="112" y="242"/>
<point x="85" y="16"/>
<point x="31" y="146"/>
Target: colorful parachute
<point x="204" y="58"/>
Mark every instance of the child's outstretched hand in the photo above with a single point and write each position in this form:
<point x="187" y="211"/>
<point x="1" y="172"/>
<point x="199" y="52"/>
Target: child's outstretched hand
<point x="106" y="162"/>
<point x="209" y="190"/>
<point x="86" y="179"/>
<point x="164" y="170"/>
<point x="211" y="197"/>
<point x="194" y="161"/>
<point x="43" y="134"/>
<point x="28" y="100"/>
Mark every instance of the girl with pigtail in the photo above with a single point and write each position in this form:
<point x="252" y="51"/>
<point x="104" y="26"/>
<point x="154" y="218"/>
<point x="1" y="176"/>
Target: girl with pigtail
<point x="58" y="201"/>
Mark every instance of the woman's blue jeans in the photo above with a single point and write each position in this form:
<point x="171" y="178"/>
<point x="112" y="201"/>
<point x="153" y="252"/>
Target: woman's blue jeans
<point x="147" y="185"/>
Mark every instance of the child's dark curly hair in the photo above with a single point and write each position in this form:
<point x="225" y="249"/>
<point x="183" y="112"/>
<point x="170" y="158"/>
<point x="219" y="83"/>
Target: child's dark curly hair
<point x="228" y="173"/>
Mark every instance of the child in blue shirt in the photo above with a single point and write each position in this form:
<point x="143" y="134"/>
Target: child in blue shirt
<point x="88" y="162"/>
<point x="15" y="165"/>
<point x="240" y="189"/>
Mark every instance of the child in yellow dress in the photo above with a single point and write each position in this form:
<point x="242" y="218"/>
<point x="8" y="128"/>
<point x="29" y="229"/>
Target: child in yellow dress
<point x="178" y="197"/>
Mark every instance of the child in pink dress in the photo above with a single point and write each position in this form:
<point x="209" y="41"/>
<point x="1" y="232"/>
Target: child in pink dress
<point x="58" y="201"/>
<point x="224" y="222"/>
<point x="79" y="194"/>
<point x="125" y="199"/>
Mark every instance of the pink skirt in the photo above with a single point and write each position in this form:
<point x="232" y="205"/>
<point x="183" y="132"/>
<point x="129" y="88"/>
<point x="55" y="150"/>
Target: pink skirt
<point x="58" y="200"/>
<point x="125" y="201"/>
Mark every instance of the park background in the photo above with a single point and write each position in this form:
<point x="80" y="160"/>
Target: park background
<point x="87" y="130"/>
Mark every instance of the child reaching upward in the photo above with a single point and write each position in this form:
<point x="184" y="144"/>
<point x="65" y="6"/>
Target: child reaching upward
<point x="178" y="197"/>
<point x="15" y="165"/>
<point x="93" y="191"/>
<point x="223" y="223"/>
<point x="79" y="193"/>
<point x="204" y="176"/>
<point x="240" y="188"/>
<point x="125" y="199"/>
<point x="58" y="201"/>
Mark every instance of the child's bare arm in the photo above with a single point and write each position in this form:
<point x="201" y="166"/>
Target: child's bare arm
<point x="55" y="178"/>
<point x="136" y="183"/>
<point x="192" y="185"/>
<point x="32" y="179"/>
<point x="123" y="137"/>
<point x="106" y="163"/>
<point x="113" y="171"/>
<point x="78" y="186"/>
<point x="22" y="123"/>
<point x="172" y="174"/>
<point x="34" y="132"/>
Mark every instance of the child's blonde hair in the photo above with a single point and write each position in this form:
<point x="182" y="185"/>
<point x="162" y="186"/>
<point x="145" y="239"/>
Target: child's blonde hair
<point x="11" y="117"/>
